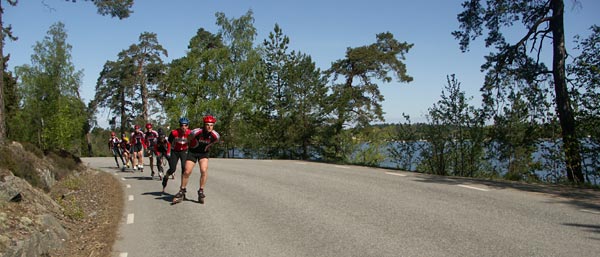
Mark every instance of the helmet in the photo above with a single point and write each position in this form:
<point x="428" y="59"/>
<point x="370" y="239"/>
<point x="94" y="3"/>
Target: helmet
<point x="184" y="120"/>
<point x="209" y="119"/>
<point x="112" y="133"/>
<point x="136" y="127"/>
<point x="148" y="125"/>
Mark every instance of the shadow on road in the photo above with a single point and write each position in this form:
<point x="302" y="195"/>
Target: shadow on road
<point x="586" y="227"/>
<point x="579" y="197"/>
<point x="167" y="197"/>
<point x="161" y="196"/>
<point x="141" y="178"/>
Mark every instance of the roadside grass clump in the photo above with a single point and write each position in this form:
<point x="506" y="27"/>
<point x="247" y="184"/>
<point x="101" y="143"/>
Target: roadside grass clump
<point x="64" y="162"/>
<point x="71" y="208"/>
<point x="72" y="183"/>
<point x="20" y="165"/>
<point x="29" y="147"/>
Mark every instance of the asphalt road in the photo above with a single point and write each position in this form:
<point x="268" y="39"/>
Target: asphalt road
<point x="295" y="208"/>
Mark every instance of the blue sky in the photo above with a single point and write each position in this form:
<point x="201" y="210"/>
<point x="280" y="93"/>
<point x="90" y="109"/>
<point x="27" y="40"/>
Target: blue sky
<point x="322" y="29"/>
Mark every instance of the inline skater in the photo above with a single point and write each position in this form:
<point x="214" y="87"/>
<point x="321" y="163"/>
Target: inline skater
<point x="162" y="150"/>
<point x="126" y="147"/>
<point x="200" y="140"/>
<point x="114" y="145"/>
<point x="138" y="144"/>
<point x="151" y="137"/>
<point x="179" y="147"/>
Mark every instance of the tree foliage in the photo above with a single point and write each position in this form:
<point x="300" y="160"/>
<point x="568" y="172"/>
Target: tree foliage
<point x="356" y="99"/>
<point x="49" y="88"/>
<point x="115" y="91"/>
<point x="146" y="56"/>
<point x="115" y="8"/>
<point x="585" y="79"/>
<point x="543" y="21"/>
<point x="455" y="141"/>
<point x="294" y="100"/>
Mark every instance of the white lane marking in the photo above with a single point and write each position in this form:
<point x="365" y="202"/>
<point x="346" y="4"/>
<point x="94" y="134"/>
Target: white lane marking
<point x="128" y="186"/>
<point x="267" y="160"/>
<point x="116" y="174"/>
<point x="472" y="187"/>
<point x="123" y="179"/>
<point x="130" y="197"/>
<point x="130" y="218"/>
<point x="590" y="211"/>
<point x="301" y="163"/>
<point x="341" y="167"/>
<point x="395" y="174"/>
<point x="123" y="255"/>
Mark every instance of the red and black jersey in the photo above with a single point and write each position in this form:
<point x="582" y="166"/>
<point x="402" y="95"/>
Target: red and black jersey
<point x="151" y="138"/>
<point x="114" y="142"/>
<point x="200" y="138"/>
<point x="138" y="138"/>
<point x="162" y="147"/>
<point x="179" y="139"/>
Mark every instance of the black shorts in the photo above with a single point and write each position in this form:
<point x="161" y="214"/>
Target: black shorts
<point x="137" y="148"/>
<point x="194" y="157"/>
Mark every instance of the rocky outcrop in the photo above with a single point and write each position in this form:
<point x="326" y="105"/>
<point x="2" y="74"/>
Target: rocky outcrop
<point x="29" y="217"/>
<point x="49" y="235"/>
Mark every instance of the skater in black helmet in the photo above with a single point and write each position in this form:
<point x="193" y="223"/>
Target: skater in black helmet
<point x="200" y="140"/>
<point x="179" y="147"/>
<point x="162" y="150"/>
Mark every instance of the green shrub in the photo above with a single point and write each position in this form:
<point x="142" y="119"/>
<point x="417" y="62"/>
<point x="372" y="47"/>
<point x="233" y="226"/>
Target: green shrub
<point x="72" y="183"/>
<point x="71" y="209"/>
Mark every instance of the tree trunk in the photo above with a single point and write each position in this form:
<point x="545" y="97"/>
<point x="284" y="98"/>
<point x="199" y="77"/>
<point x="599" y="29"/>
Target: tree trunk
<point x="2" y="112"/>
<point x="123" y="110"/>
<point x="143" y="89"/>
<point x="563" y="104"/>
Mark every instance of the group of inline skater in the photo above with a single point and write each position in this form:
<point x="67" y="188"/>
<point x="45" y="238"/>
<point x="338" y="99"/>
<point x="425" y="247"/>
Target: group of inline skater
<point x="183" y="145"/>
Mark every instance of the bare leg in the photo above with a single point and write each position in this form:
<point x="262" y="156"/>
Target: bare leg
<point x="203" y="171"/>
<point x="140" y="155"/>
<point x="189" y="166"/>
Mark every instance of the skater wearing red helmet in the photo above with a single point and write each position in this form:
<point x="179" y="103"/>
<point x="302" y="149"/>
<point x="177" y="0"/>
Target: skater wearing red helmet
<point x="138" y="144"/>
<point x="114" y="145"/>
<point x="150" y="137"/>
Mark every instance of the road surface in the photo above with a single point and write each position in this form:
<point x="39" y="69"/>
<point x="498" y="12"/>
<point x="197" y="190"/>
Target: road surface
<point x="296" y="208"/>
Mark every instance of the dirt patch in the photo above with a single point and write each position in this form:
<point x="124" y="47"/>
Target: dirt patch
<point x="93" y="206"/>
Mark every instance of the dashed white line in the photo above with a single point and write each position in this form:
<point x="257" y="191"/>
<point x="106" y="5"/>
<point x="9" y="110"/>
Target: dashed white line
<point x="396" y="174"/>
<point x="590" y="211"/>
<point x="301" y="163"/>
<point x="130" y="197"/>
<point x="123" y="179"/>
<point x="128" y="186"/>
<point x="130" y="218"/>
<point x="123" y="255"/>
<point x="472" y="187"/>
<point x="341" y="167"/>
